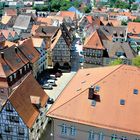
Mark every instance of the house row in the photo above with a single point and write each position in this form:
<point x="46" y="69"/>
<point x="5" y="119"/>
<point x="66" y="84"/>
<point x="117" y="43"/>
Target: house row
<point x="23" y="113"/>
<point x="106" y="44"/>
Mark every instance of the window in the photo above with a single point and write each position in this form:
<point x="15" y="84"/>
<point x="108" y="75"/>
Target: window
<point x="28" y="65"/>
<point x="9" y="107"/>
<point x="114" y="137"/>
<point x="11" y="78"/>
<point x="32" y="129"/>
<point x="8" y="129"/>
<point x="21" y="131"/>
<point x="91" y="135"/>
<point x="20" y="71"/>
<point x="2" y="90"/>
<point x="37" y="130"/>
<point x="72" y="131"/>
<point x="123" y="138"/>
<point x="101" y="136"/>
<point x="15" y="75"/>
<point x="37" y="120"/>
<point x="14" y="119"/>
<point x="64" y="129"/>
<point x="25" y="67"/>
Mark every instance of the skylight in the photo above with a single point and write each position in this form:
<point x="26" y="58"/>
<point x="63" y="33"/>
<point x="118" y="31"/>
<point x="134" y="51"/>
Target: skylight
<point x="135" y="91"/>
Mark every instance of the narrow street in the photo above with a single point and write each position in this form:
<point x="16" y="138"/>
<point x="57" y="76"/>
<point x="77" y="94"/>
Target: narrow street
<point x="62" y="82"/>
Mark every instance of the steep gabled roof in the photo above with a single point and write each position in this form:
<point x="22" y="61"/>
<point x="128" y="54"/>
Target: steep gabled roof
<point x="116" y="83"/>
<point x="28" y="50"/>
<point x="12" y="61"/>
<point x="20" y="99"/>
<point x="93" y="41"/>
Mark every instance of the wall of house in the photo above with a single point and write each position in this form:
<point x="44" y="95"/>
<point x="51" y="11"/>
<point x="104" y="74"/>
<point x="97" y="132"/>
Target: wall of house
<point x="12" y="126"/>
<point x="40" y="124"/>
<point x="61" y="52"/>
<point x="93" y="56"/>
<point x="75" y="131"/>
<point x="42" y="61"/>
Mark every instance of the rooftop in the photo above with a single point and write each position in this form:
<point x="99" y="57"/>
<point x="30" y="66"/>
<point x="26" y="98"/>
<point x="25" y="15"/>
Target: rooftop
<point x="116" y="83"/>
<point x="21" y="100"/>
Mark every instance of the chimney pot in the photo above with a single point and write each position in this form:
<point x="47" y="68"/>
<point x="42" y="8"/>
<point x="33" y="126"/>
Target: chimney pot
<point x="16" y="49"/>
<point x="2" y="55"/>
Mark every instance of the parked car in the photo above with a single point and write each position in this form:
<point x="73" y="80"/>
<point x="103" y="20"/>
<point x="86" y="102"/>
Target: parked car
<point x="47" y="86"/>
<point x="50" y="101"/>
<point x="53" y="77"/>
<point x="51" y="82"/>
<point x="58" y="74"/>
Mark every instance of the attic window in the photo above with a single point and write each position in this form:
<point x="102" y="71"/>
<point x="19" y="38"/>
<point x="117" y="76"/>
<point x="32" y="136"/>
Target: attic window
<point x="18" y="60"/>
<point x="122" y="102"/>
<point x="135" y="91"/>
<point x="97" y="88"/>
<point x="6" y="67"/>
<point x="30" y="56"/>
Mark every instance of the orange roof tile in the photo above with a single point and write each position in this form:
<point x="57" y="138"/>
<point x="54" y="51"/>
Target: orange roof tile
<point x="46" y="20"/>
<point x="133" y="27"/>
<point x="93" y="41"/>
<point x="72" y="15"/>
<point x="116" y="83"/>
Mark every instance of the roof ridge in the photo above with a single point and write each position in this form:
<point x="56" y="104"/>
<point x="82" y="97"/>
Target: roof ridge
<point x="84" y="89"/>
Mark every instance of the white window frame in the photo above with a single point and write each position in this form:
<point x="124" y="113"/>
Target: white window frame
<point x="11" y="78"/>
<point x="25" y="68"/>
<point x="15" y="75"/>
<point x="20" y="71"/>
<point x="64" y="129"/>
<point x="91" y="135"/>
<point x="73" y="131"/>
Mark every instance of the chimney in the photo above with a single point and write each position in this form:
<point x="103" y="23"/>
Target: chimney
<point x="2" y="55"/>
<point x="91" y="92"/>
<point x="35" y="100"/>
<point x="16" y="49"/>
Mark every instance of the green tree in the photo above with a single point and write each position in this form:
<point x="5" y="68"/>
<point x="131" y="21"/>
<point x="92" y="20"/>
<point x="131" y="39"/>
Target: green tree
<point x="65" y="5"/>
<point x="124" y="23"/>
<point x="121" y="4"/>
<point x="134" y="7"/>
<point x="116" y="62"/>
<point x="136" y="61"/>
<point x="136" y="20"/>
<point x="87" y="8"/>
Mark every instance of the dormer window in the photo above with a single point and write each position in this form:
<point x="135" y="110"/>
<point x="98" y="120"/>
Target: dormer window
<point x="11" y="78"/>
<point x="15" y="75"/>
<point x="20" y="71"/>
<point x="28" y="65"/>
<point x="25" y="67"/>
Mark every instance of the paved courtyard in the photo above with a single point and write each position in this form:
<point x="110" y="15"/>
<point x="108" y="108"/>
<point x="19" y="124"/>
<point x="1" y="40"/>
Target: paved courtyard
<point x="61" y="83"/>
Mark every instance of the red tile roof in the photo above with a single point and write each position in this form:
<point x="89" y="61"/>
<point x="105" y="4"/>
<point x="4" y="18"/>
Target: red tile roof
<point x="20" y="99"/>
<point x="93" y="41"/>
<point x="133" y="27"/>
<point x="116" y="83"/>
<point x="72" y="15"/>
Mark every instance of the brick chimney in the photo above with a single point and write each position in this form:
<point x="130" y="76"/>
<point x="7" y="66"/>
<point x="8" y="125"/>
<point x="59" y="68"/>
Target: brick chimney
<point x="2" y="55"/>
<point x="91" y="92"/>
